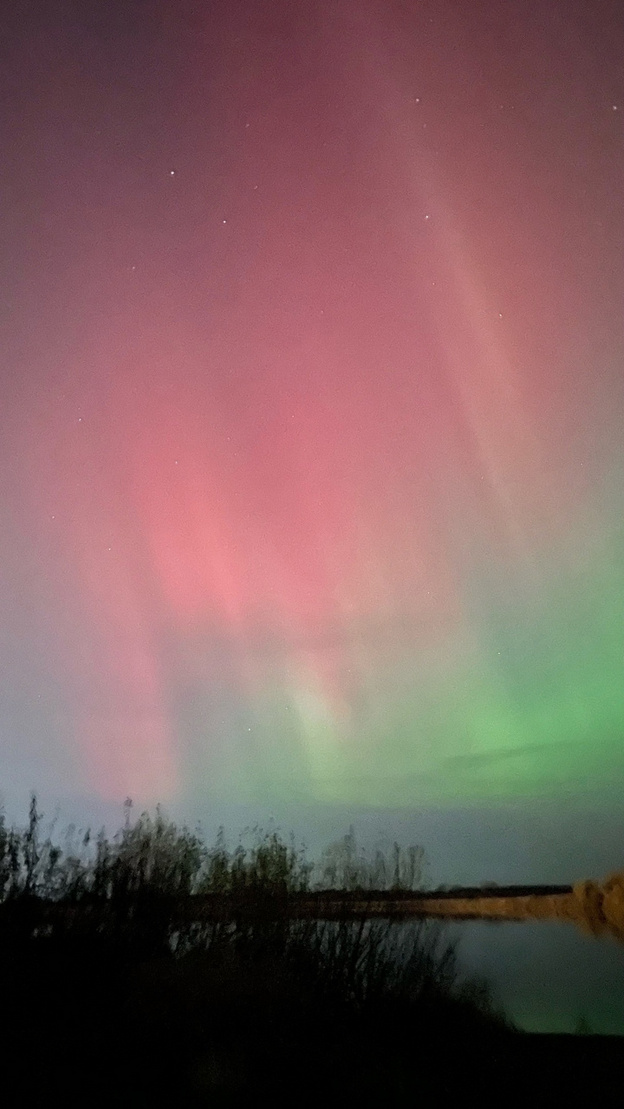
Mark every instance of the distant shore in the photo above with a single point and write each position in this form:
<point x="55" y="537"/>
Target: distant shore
<point x="594" y="908"/>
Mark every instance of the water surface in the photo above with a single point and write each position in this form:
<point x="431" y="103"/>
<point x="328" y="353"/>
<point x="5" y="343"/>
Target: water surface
<point x="546" y="975"/>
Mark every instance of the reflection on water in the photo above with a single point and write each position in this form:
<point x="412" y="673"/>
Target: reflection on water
<point x="546" y="975"/>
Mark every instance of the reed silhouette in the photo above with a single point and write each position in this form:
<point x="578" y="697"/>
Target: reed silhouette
<point x="115" y="984"/>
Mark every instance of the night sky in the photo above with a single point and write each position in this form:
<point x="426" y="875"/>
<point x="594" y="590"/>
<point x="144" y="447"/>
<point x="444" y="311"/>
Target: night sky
<point x="312" y="412"/>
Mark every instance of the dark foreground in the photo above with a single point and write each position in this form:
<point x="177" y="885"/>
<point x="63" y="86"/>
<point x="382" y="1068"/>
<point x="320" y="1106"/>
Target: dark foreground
<point x="149" y="970"/>
<point x="206" y="1031"/>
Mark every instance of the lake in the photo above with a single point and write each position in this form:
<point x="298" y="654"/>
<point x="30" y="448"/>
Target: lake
<point x="546" y="975"/>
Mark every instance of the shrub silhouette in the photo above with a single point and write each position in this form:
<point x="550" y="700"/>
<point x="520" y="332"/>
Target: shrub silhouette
<point x="613" y="902"/>
<point x="93" y="939"/>
<point x="601" y="905"/>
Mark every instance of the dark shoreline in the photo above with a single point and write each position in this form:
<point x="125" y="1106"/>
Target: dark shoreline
<point x="448" y="893"/>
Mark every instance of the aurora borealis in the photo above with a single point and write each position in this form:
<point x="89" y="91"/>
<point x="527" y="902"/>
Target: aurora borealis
<point x="312" y="378"/>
